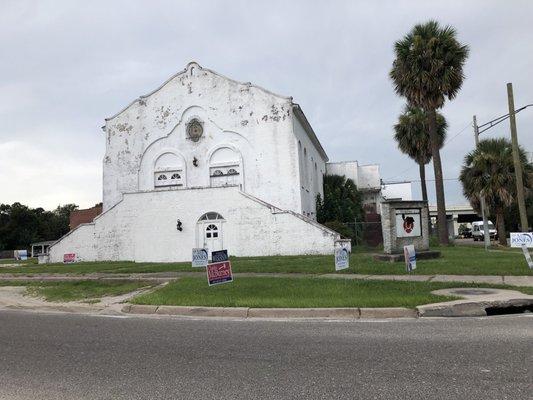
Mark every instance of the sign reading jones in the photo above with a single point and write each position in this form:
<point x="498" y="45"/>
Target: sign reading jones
<point x="408" y="223"/>
<point x="199" y="257"/>
<point x="219" y="273"/>
<point x="522" y="238"/>
<point x="342" y="258"/>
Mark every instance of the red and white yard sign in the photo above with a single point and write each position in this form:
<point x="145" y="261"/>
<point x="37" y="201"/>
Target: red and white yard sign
<point x="219" y="272"/>
<point x="69" y="257"/>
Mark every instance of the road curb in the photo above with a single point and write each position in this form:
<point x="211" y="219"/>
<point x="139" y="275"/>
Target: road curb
<point x="291" y="313"/>
<point x="470" y="308"/>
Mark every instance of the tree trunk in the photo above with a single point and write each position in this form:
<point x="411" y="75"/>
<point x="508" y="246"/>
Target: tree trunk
<point x="439" y="184"/>
<point x="500" y="224"/>
<point x="422" y="169"/>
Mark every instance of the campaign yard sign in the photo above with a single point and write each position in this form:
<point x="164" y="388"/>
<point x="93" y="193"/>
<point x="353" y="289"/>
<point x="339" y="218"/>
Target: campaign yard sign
<point x="527" y="256"/>
<point x="342" y="258"/>
<point x="219" y="256"/>
<point x="69" y="258"/>
<point x="219" y="272"/>
<point x="519" y="239"/>
<point x="410" y="257"/>
<point x="199" y="258"/>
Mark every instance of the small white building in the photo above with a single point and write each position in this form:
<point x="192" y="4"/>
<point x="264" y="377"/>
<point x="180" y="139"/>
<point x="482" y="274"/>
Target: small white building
<point x="204" y="160"/>
<point x="368" y="180"/>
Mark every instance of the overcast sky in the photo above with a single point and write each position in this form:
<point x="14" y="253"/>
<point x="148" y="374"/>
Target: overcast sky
<point x="67" y="65"/>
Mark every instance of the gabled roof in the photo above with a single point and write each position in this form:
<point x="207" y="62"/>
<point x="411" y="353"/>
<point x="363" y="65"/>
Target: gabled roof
<point x="193" y="64"/>
<point x="187" y="68"/>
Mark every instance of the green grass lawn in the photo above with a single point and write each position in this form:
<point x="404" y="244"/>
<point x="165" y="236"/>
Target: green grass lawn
<point x="29" y="261"/>
<point x="298" y="292"/>
<point x="80" y="290"/>
<point x="455" y="260"/>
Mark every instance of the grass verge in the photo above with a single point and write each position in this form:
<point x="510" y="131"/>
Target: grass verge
<point x="78" y="290"/>
<point x="455" y="260"/>
<point x="298" y="292"/>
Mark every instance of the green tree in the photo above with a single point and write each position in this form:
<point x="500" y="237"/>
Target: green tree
<point x="412" y="136"/>
<point x="342" y="204"/>
<point x="428" y="68"/>
<point x="489" y="171"/>
<point x="21" y="225"/>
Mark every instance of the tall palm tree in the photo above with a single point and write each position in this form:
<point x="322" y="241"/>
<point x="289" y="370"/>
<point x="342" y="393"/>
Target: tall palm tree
<point x="412" y="135"/>
<point x="428" y="68"/>
<point x="489" y="171"/>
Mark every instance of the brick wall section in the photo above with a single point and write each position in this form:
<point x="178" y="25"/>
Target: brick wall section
<point x="78" y="217"/>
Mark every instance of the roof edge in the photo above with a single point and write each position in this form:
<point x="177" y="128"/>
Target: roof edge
<point x="189" y="66"/>
<point x="309" y="130"/>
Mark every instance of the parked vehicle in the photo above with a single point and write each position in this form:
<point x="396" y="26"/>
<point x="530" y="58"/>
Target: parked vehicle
<point x="478" y="232"/>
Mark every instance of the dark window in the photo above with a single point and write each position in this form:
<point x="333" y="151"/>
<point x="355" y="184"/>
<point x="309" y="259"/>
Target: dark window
<point x="175" y="176"/>
<point x="162" y="178"/>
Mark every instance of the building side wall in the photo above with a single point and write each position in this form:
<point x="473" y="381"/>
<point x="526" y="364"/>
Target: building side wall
<point x="311" y="170"/>
<point x="142" y="227"/>
<point x="81" y="241"/>
<point x="344" y="168"/>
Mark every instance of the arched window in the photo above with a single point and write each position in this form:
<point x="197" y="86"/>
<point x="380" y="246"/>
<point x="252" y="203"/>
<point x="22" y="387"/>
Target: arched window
<point x="211" y="231"/>
<point x="225" y="167"/>
<point x="211" y="216"/>
<point x="168" y="170"/>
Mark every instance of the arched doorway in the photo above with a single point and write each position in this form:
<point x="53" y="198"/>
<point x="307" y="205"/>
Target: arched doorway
<point x="210" y="233"/>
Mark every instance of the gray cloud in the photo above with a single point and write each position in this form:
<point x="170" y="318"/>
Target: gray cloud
<point x="67" y="65"/>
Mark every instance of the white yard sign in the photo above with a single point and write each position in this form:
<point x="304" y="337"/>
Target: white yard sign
<point x="199" y="257"/>
<point x="527" y="256"/>
<point x="342" y="258"/>
<point x="519" y="239"/>
<point x="410" y="257"/>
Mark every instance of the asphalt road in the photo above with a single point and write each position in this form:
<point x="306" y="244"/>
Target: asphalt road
<point x="59" y="356"/>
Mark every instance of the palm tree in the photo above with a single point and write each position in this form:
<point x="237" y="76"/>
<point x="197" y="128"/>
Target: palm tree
<point x="489" y="171"/>
<point x="412" y="135"/>
<point x="428" y="69"/>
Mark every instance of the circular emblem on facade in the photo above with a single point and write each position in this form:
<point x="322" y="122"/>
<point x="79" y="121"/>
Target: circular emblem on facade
<point x="195" y="129"/>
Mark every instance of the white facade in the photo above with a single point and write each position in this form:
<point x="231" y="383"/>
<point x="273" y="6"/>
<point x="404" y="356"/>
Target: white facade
<point x="203" y="143"/>
<point x="368" y="180"/>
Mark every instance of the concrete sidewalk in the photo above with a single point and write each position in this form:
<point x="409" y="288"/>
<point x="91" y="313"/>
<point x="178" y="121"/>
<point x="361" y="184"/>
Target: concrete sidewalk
<point x="526" y="281"/>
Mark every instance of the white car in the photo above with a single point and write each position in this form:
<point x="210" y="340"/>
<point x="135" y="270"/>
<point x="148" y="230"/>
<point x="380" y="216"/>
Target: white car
<point x="478" y="232"/>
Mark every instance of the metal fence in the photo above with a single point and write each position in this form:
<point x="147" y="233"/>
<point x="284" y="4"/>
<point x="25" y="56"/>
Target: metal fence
<point x="364" y="233"/>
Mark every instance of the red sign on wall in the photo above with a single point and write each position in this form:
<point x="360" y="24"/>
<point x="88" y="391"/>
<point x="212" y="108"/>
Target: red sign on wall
<point x="69" y="257"/>
<point x="219" y="273"/>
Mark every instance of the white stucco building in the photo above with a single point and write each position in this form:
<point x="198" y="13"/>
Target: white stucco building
<point x="204" y="160"/>
<point x="368" y="180"/>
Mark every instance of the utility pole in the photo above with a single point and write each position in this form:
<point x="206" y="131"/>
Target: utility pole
<point x="516" y="159"/>
<point x="486" y="233"/>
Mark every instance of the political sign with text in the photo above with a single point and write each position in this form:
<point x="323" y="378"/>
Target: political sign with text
<point x="410" y="257"/>
<point x="219" y="256"/>
<point x="219" y="272"/>
<point x="199" y="257"/>
<point x="342" y="258"/>
<point x="69" y="258"/>
<point x="522" y="238"/>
